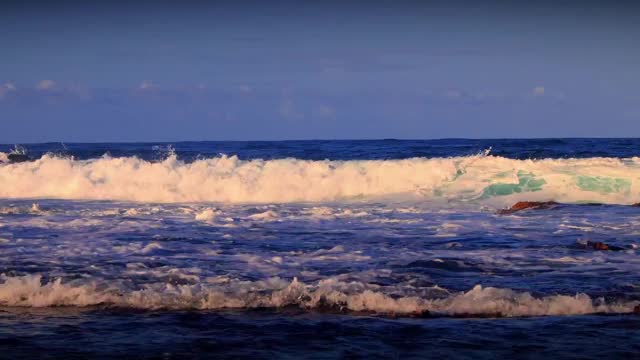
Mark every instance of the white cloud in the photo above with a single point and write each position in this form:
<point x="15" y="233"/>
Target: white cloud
<point x="245" y="89"/>
<point x="45" y="85"/>
<point x="538" y="91"/>
<point x="288" y="108"/>
<point x="326" y="111"/>
<point x="6" y="88"/>
<point x="147" y="85"/>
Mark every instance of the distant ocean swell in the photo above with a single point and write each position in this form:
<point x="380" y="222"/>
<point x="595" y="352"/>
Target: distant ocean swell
<point x="32" y="291"/>
<point x="229" y="179"/>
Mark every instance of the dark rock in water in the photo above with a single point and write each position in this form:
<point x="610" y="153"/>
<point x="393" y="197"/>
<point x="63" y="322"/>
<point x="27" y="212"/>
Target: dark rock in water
<point x="597" y="245"/>
<point x="18" y="158"/>
<point x="636" y="205"/>
<point x="636" y="310"/>
<point x="423" y="314"/>
<point x="523" y="205"/>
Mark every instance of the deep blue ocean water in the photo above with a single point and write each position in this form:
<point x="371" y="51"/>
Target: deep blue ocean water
<point x="351" y="149"/>
<point x="320" y="249"/>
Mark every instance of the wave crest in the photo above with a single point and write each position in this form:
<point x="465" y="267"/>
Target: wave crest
<point x="30" y="291"/>
<point x="229" y="179"/>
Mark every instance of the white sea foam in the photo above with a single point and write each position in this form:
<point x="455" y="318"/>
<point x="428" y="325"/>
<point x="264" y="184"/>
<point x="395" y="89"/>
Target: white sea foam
<point x="34" y="209"/>
<point x="268" y="215"/>
<point x="149" y="248"/>
<point x="207" y="215"/>
<point x="229" y="179"/>
<point x="30" y="291"/>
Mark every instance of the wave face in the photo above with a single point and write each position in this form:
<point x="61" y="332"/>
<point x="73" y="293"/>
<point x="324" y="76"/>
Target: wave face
<point x="232" y="180"/>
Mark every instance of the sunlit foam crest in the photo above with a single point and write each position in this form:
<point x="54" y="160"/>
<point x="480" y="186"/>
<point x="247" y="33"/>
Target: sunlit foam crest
<point x="229" y="179"/>
<point x="32" y="291"/>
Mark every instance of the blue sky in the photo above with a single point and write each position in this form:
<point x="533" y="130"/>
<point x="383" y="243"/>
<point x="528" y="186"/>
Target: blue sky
<point x="169" y="71"/>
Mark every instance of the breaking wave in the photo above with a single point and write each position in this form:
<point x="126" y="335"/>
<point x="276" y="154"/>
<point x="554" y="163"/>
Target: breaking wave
<point x="31" y="291"/>
<point x="229" y="179"/>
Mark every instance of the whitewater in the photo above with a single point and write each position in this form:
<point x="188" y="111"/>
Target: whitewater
<point x="230" y="179"/>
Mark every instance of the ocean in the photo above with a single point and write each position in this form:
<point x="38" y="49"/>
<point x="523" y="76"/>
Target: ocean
<point x="321" y="249"/>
